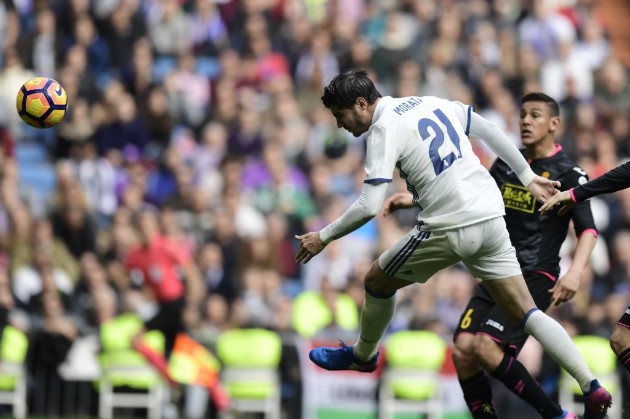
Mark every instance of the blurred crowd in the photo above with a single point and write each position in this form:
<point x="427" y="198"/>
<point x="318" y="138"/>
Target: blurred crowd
<point x="207" y="113"/>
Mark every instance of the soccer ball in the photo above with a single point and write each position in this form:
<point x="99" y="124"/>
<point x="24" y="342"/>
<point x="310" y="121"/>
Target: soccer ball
<point x="42" y="102"/>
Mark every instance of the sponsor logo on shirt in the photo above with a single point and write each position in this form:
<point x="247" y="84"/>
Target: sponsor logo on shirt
<point x="518" y="198"/>
<point x="495" y="324"/>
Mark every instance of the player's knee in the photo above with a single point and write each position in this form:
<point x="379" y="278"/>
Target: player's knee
<point x="620" y="339"/>
<point x="487" y="352"/>
<point x="464" y="354"/>
<point x="378" y="283"/>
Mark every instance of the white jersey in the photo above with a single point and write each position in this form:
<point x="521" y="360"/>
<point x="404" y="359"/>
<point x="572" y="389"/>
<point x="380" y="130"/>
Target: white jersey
<point x="426" y="138"/>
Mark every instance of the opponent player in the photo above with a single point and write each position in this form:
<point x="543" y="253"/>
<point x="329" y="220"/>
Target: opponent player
<point x="612" y="181"/>
<point x="461" y="217"/>
<point x="485" y="337"/>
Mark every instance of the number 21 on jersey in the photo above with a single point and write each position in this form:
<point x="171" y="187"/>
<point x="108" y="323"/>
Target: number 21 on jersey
<point x="431" y="131"/>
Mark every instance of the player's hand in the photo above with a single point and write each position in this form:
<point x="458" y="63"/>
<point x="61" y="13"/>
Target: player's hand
<point x="563" y="197"/>
<point x="565" y="288"/>
<point x="310" y="246"/>
<point x="397" y="201"/>
<point x="543" y="188"/>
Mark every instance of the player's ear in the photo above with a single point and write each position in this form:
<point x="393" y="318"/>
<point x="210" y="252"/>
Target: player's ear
<point x="362" y="103"/>
<point x="554" y="123"/>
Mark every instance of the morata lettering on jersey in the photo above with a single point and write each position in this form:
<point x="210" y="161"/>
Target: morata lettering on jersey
<point x="407" y="105"/>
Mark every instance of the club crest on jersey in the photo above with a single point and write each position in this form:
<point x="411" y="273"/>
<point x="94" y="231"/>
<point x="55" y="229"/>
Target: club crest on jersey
<point x="518" y="198"/>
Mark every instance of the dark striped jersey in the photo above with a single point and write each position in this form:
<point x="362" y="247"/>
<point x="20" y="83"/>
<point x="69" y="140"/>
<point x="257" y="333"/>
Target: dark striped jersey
<point x="537" y="238"/>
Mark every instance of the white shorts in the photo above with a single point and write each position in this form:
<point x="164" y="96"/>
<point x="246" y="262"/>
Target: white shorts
<point x="484" y="248"/>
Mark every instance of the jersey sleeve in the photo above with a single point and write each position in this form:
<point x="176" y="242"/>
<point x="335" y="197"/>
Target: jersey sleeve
<point x="612" y="181"/>
<point x="381" y="156"/>
<point x="464" y="113"/>
<point x="581" y="214"/>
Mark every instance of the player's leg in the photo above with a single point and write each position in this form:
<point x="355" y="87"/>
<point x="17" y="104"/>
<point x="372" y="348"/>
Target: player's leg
<point x="155" y="358"/>
<point x="504" y="366"/>
<point x="378" y="310"/>
<point x="496" y="263"/>
<point x="620" y="340"/>
<point x="414" y="258"/>
<point x="376" y="314"/>
<point x="473" y="380"/>
<point x="169" y="321"/>
<point x="500" y="340"/>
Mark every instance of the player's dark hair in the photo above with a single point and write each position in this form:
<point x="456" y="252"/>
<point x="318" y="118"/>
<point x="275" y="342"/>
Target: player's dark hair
<point x="344" y="90"/>
<point x="541" y="97"/>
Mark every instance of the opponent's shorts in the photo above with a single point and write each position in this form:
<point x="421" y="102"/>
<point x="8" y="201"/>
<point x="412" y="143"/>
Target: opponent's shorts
<point x="482" y="315"/>
<point x="484" y="248"/>
<point x="625" y="319"/>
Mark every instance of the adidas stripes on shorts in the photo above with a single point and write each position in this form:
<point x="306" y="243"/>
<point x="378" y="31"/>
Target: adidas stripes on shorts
<point x="484" y="248"/>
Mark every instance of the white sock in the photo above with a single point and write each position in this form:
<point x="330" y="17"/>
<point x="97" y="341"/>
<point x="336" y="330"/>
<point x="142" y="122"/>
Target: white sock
<point x="559" y="346"/>
<point x="375" y="317"/>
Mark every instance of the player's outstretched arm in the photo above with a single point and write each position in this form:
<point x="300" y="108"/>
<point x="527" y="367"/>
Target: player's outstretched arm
<point x="563" y="197"/>
<point x="566" y="287"/>
<point x="399" y="200"/>
<point x="612" y="181"/>
<point x="503" y="147"/>
<point x="542" y="188"/>
<point x="310" y="245"/>
<point x="360" y="212"/>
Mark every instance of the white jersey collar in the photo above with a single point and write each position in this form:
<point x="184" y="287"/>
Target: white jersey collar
<point x="380" y="106"/>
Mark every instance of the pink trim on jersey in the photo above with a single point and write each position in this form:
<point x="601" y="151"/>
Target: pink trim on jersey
<point x="556" y="151"/>
<point x="553" y="153"/>
<point x="624" y="360"/>
<point x="548" y="275"/>
<point x="490" y="336"/>
<point x="589" y="230"/>
<point x="572" y="195"/>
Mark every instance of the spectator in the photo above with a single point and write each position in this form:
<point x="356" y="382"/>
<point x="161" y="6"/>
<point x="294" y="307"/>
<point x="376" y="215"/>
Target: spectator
<point x="40" y="50"/>
<point x="86" y="35"/>
<point x="168" y="28"/>
<point x="208" y="32"/>
<point x="123" y="28"/>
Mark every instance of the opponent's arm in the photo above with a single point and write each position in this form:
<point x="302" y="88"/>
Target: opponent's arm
<point x="360" y="212"/>
<point x="586" y="231"/>
<point x="566" y="287"/>
<point x="612" y="181"/>
<point x="399" y="200"/>
<point x="501" y="145"/>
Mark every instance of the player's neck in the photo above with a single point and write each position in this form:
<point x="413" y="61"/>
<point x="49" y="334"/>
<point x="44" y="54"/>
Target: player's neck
<point x="545" y="148"/>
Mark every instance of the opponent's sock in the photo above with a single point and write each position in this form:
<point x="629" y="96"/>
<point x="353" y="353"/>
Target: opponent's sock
<point x="624" y="359"/>
<point x="559" y="346"/>
<point x="519" y="381"/>
<point x="478" y="396"/>
<point x="376" y="315"/>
